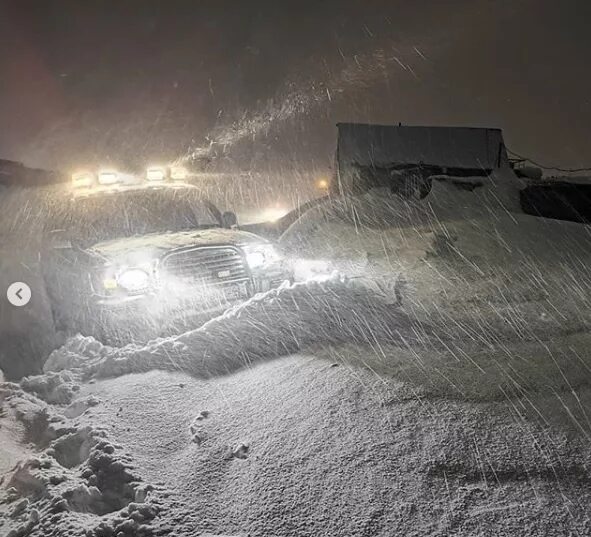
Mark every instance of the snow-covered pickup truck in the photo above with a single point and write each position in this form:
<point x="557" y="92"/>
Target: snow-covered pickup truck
<point x="124" y="263"/>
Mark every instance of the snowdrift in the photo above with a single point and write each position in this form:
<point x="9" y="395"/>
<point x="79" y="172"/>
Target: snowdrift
<point x="351" y="322"/>
<point x="459" y="256"/>
<point x="276" y="323"/>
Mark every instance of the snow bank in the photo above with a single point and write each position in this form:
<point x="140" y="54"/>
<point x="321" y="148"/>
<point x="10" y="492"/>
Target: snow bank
<point x="271" y="324"/>
<point x="450" y="199"/>
<point x="458" y="256"/>
<point x="456" y="353"/>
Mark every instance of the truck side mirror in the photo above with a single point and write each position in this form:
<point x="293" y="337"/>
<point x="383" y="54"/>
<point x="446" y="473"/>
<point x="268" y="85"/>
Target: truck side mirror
<point x="229" y="219"/>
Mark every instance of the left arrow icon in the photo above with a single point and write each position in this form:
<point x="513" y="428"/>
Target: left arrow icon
<point x="18" y="294"/>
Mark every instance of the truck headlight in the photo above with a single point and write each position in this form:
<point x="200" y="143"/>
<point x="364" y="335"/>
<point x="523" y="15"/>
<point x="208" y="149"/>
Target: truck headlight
<point x="255" y="259"/>
<point x="134" y="280"/>
<point x="260" y="255"/>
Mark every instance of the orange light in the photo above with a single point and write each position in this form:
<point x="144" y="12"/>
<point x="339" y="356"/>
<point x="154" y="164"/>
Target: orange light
<point x="322" y="183"/>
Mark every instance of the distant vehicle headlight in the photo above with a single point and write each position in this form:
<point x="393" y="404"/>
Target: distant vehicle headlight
<point x="108" y="177"/>
<point x="82" y="179"/>
<point x="178" y="173"/>
<point x="156" y="173"/>
<point x="134" y="280"/>
<point x="260" y="255"/>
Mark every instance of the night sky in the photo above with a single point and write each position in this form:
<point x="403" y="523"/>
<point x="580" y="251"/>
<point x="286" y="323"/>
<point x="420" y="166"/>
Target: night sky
<point x="129" y="82"/>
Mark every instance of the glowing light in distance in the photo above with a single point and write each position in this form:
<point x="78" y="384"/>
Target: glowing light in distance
<point x="82" y="179"/>
<point x="178" y="173"/>
<point x="156" y="173"/>
<point x="322" y="183"/>
<point x="108" y="177"/>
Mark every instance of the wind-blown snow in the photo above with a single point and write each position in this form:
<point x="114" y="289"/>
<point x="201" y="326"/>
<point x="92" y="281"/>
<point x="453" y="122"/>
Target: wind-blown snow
<point x="437" y="383"/>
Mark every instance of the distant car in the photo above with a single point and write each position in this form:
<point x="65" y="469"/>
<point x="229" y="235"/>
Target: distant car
<point x="126" y="263"/>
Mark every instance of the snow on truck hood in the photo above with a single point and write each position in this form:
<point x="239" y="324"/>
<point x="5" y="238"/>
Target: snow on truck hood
<point x="163" y="242"/>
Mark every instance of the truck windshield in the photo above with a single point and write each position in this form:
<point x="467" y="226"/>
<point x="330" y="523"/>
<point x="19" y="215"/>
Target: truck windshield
<point x="110" y="216"/>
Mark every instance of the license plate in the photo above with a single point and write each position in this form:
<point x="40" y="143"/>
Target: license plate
<point x="235" y="292"/>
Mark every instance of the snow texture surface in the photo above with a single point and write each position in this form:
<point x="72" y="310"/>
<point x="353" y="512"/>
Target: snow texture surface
<point x="432" y="380"/>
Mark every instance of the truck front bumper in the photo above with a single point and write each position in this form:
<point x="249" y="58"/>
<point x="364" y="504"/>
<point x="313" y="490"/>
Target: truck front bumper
<point x="179" y="309"/>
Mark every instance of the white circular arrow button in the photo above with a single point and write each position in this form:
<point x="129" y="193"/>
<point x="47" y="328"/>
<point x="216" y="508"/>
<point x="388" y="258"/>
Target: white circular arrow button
<point x="18" y="294"/>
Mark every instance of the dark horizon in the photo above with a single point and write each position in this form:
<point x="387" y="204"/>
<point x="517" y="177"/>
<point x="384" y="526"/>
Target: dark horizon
<point x="149" y="80"/>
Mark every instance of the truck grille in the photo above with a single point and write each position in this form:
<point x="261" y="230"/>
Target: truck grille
<point x="206" y="265"/>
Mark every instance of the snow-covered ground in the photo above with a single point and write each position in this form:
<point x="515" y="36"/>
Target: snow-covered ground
<point x="436" y="384"/>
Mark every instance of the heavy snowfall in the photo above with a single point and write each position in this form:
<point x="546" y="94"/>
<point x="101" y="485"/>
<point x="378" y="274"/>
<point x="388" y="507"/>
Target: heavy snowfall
<point x="427" y="373"/>
<point x="297" y="269"/>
